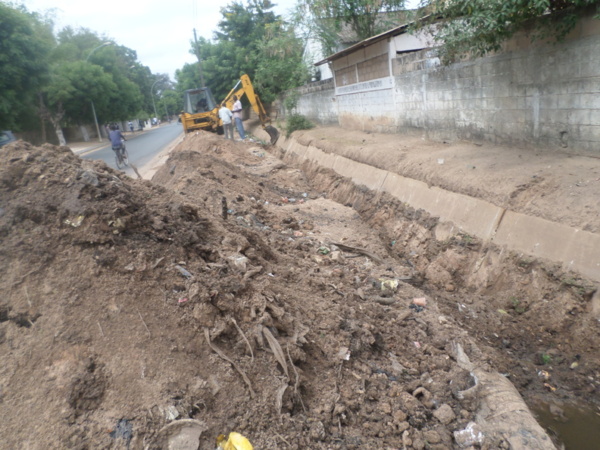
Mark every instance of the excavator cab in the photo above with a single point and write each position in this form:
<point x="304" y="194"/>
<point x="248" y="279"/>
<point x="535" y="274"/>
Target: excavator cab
<point x="200" y="111"/>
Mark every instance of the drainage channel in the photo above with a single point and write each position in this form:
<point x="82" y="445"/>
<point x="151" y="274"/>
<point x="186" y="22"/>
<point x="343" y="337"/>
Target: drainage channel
<point x="530" y="316"/>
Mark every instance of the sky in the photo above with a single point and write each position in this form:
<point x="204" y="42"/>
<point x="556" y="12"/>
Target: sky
<point x="159" y="31"/>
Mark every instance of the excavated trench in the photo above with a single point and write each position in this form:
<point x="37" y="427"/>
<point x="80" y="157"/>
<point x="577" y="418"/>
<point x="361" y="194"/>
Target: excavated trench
<point x="529" y="317"/>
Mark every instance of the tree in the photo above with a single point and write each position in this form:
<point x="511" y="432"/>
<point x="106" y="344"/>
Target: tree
<point x="25" y="41"/>
<point x="281" y="64"/>
<point x="250" y="39"/>
<point x="477" y="27"/>
<point x="325" y="20"/>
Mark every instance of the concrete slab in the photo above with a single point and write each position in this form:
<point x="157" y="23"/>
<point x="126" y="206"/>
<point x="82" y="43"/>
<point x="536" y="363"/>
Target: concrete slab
<point x="360" y="173"/>
<point x="576" y="249"/>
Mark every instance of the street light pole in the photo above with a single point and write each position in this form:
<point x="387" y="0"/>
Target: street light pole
<point x="92" y="101"/>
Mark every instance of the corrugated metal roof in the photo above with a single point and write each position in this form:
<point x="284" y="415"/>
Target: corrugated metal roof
<point x="369" y="41"/>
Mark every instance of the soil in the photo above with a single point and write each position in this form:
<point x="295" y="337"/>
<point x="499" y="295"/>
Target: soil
<point x="256" y="294"/>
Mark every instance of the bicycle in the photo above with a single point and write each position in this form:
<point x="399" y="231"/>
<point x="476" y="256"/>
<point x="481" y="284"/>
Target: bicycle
<point x="121" y="156"/>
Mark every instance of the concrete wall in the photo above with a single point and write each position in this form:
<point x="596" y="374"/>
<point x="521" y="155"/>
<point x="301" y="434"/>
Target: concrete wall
<point x="317" y="101"/>
<point x="575" y="249"/>
<point x="547" y="95"/>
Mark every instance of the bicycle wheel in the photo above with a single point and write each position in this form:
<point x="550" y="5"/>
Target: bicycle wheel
<point x="118" y="159"/>
<point x="125" y="156"/>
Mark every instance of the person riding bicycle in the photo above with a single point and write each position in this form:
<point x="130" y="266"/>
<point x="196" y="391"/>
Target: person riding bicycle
<point x="116" y="137"/>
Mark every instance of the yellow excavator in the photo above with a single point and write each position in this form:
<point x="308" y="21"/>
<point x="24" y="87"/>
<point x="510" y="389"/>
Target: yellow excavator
<point x="200" y="112"/>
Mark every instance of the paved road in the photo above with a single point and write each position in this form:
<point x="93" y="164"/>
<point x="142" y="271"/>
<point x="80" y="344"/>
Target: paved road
<point x="141" y="147"/>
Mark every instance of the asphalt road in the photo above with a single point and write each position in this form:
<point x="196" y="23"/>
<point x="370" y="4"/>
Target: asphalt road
<point x="141" y="147"/>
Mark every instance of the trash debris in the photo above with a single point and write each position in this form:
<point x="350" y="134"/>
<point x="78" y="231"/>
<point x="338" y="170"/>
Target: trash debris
<point x="574" y="365"/>
<point x="182" y="300"/>
<point x="298" y="233"/>
<point x="470" y="436"/>
<point x="543" y="374"/>
<point x="183" y="272"/>
<point x="440" y="161"/>
<point x="238" y="262"/>
<point x="389" y="285"/>
<point x="324" y="250"/>
<point x="76" y="222"/>
<point x="344" y="353"/>
<point x="420" y="301"/>
<point x="235" y="442"/>
<point x="123" y="431"/>
<point x="416" y="308"/>
<point x="549" y="387"/>
<point x="171" y="413"/>
<point x="417" y="344"/>
<point x="181" y="434"/>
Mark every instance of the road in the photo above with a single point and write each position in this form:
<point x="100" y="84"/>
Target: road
<point x="142" y="147"/>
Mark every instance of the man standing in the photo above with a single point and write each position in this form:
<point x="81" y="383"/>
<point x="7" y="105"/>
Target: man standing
<point x="237" y="115"/>
<point x="130" y="126"/>
<point x="226" y="116"/>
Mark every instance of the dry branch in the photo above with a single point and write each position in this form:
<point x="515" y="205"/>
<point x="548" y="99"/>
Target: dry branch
<point x="277" y="351"/>
<point x="244" y="338"/>
<point x="218" y="351"/>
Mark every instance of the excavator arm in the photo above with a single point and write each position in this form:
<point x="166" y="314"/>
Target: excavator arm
<point x="247" y="89"/>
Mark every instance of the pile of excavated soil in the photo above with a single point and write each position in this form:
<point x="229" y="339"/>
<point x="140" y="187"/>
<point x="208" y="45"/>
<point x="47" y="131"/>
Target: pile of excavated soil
<point x="255" y="296"/>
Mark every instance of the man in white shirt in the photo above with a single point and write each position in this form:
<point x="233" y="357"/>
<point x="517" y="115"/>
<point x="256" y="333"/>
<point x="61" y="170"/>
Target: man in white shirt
<point x="226" y="116"/>
<point x="237" y="115"/>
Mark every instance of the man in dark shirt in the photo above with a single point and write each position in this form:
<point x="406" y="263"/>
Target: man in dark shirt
<point x="116" y="137"/>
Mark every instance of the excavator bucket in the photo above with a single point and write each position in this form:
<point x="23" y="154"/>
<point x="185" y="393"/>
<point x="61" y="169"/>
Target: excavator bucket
<point x="273" y="132"/>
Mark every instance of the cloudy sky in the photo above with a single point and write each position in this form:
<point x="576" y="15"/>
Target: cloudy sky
<point x="158" y="30"/>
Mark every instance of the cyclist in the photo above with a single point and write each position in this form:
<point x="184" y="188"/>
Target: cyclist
<point x="116" y="138"/>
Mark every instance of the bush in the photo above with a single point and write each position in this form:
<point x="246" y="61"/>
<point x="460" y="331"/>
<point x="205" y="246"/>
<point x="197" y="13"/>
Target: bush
<point x="297" y="122"/>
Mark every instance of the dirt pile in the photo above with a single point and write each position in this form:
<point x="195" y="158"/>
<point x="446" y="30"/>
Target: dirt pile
<point x="232" y="291"/>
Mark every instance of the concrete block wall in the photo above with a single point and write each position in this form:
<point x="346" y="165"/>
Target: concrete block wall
<point x="546" y="95"/>
<point x="317" y="101"/>
<point x="368" y="111"/>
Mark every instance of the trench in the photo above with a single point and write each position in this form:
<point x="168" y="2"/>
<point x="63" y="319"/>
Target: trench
<point x="529" y="316"/>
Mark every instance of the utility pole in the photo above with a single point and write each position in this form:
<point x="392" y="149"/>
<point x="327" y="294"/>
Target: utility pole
<point x="199" y="60"/>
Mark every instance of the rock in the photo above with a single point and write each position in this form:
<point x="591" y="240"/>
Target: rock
<point x="317" y="431"/>
<point x="399" y="416"/>
<point x="471" y="435"/>
<point x="89" y="177"/>
<point x="337" y="256"/>
<point x="432" y="437"/>
<point x="444" y="414"/>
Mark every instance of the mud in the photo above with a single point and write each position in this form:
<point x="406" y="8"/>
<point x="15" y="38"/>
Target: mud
<point x="216" y="292"/>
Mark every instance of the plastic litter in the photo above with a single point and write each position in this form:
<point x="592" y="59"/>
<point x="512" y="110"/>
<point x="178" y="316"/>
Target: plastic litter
<point x="235" y="441"/>
<point x="183" y="272"/>
<point x="389" y="285"/>
<point x="76" y="222"/>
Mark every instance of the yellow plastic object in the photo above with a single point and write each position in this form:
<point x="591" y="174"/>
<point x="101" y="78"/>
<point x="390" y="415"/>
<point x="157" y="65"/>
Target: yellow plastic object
<point x="235" y="442"/>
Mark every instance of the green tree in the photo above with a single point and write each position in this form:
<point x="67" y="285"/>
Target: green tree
<point x="326" y="20"/>
<point x="477" y="27"/>
<point x="25" y="41"/>
<point x="281" y="65"/>
<point x="250" y="39"/>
